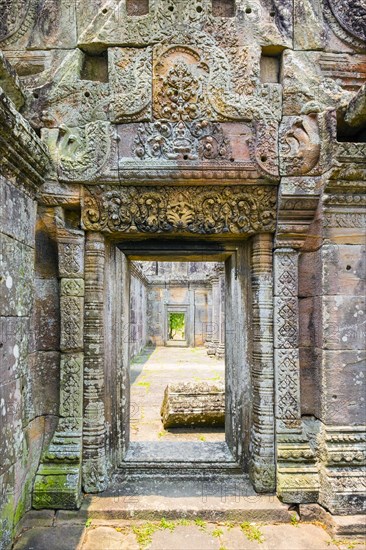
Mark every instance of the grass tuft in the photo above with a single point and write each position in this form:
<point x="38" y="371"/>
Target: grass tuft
<point x="251" y="532"/>
<point x="144" y="533"/>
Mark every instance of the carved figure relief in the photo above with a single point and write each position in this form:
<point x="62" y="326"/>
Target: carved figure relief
<point x="299" y="144"/>
<point x="81" y="152"/>
<point x="197" y="210"/>
<point x="202" y="140"/>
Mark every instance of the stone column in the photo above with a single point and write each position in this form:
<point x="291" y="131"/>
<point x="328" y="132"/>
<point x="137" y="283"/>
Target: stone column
<point x="262" y="464"/>
<point x="58" y="479"/>
<point x="213" y="344"/>
<point x="220" y="350"/>
<point x="94" y="431"/>
<point x="297" y="478"/>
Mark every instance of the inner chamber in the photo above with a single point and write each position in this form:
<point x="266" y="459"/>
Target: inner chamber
<point x="177" y="351"/>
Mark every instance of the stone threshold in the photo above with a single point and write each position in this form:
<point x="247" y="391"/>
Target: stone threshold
<point x="184" y="452"/>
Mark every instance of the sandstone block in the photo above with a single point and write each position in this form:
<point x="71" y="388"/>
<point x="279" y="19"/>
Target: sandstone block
<point x="344" y="268"/>
<point x="16" y="279"/>
<point x="343" y="391"/>
<point x="47" y="315"/>
<point x="17" y="213"/>
<point x="189" y="404"/>
<point x="344" y="322"/>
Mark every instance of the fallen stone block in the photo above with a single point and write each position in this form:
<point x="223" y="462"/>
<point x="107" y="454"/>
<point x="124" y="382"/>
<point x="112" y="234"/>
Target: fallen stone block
<point x="190" y="404"/>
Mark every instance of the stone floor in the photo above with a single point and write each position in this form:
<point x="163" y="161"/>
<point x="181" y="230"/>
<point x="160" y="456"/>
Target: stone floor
<point x="151" y="371"/>
<point x="179" y="535"/>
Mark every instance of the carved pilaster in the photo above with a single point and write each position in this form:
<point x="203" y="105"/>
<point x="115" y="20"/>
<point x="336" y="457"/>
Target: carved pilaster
<point x="94" y="431"/>
<point x="220" y="350"/>
<point x="297" y="479"/>
<point x="213" y="344"/>
<point x="262" y="467"/>
<point x="58" y="480"/>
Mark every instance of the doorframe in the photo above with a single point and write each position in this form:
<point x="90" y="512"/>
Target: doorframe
<point x="258" y="425"/>
<point x="178" y="308"/>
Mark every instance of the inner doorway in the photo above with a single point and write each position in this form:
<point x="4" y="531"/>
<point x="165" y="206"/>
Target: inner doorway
<point x="177" y="364"/>
<point x="228" y="448"/>
<point x="176" y="327"/>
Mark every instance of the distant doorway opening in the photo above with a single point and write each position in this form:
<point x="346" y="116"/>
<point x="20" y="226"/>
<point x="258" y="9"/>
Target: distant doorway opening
<point x="176" y="326"/>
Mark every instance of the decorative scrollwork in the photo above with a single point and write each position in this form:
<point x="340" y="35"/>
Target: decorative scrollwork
<point x="197" y="210"/>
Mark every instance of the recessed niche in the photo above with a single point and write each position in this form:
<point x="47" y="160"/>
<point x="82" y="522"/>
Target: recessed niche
<point x="223" y="8"/>
<point x="270" y="67"/>
<point x="137" y="7"/>
<point x="95" y="67"/>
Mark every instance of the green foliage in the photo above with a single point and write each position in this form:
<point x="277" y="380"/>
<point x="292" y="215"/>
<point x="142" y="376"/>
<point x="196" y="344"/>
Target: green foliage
<point x="217" y="532"/>
<point x="345" y="544"/>
<point x="165" y="524"/>
<point x="251" y="531"/>
<point x="294" y="520"/>
<point x="176" y="324"/>
<point x="88" y="522"/>
<point x="144" y="385"/>
<point x="184" y="522"/>
<point x="144" y="533"/>
<point x="200" y="523"/>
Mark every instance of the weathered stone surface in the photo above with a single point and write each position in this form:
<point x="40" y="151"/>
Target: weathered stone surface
<point x="215" y="120"/>
<point x="47" y="314"/>
<point x="191" y="404"/>
<point x="16" y="290"/>
<point x="344" y="321"/>
<point x="344" y="378"/>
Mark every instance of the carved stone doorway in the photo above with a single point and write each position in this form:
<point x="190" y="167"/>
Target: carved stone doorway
<point x="245" y="449"/>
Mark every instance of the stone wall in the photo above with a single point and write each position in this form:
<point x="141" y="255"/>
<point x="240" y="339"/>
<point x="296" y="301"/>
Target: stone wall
<point x="196" y="302"/>
<point x="28" y="360"/>
<point x="267" y="140"/>
<point x="138" y="333"/>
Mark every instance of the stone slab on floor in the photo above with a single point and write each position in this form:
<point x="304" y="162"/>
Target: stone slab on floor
<point x="65" y="537"/>
<point x="215" y="499"/>
<point x="178" y="537"/>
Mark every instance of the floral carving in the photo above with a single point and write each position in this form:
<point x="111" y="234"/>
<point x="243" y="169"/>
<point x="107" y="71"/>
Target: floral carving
<point x="130" y="72"/>
<point x="180" y="80"/>
<point x="202" y="140"/>
<point x="197" y="210"/>
<point x="71" y="395"/>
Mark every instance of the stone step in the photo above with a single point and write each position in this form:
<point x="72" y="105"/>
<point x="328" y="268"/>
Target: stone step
<point x="230" y="498"/>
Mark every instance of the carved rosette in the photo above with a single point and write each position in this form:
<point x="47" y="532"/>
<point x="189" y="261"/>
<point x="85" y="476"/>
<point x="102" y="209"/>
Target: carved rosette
<point x="226" y="211"/>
